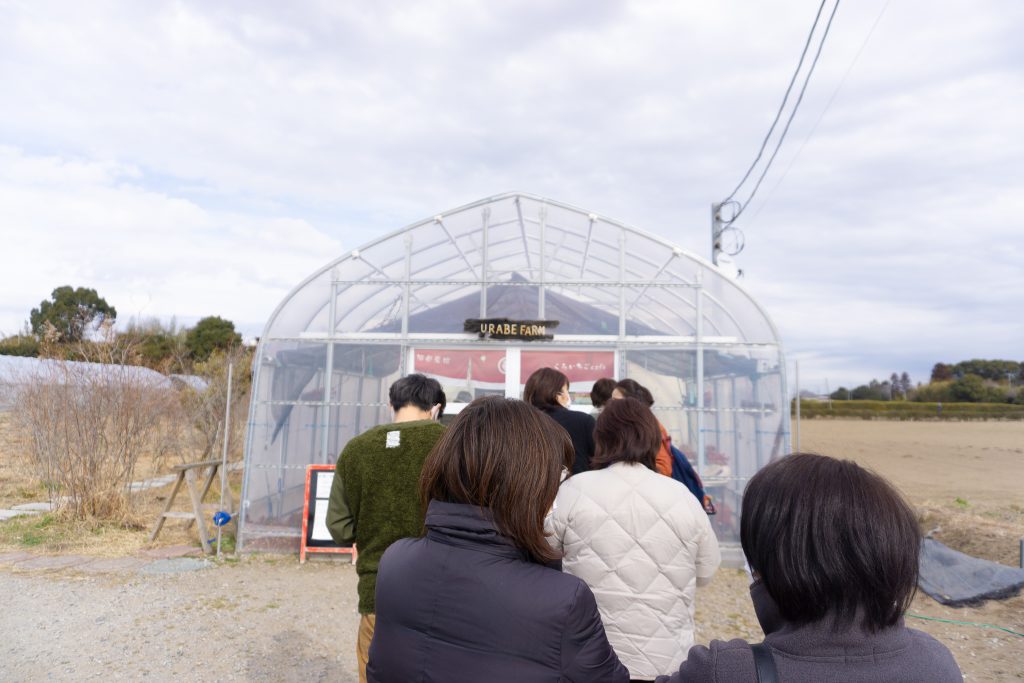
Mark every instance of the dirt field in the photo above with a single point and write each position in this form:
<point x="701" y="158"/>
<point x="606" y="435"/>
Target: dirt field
<point x="270" y="619"/>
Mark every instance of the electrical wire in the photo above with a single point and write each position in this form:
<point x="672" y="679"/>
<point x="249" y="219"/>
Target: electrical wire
<point x="792" y="114"/>
<point x="785" y="98"/>
<point x="821" y="116"/>
<point x="965" y="623"/>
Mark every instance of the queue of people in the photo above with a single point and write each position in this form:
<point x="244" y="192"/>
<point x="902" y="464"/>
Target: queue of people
<point x="510" y="547"/>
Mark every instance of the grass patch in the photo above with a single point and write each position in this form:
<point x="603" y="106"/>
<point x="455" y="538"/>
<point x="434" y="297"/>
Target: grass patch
<point x="35" y="534"/>
<point x="910" y="410"/>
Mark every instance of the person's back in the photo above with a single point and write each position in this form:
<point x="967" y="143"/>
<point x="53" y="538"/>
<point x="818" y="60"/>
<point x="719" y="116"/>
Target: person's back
<point x="834" y="552"/>
<point x="379" y="471"/>
<point x="374" y="498"/>
<point x="476" y="599"/>
<point x="464" y="600"/>
<point x="812" y="653"/>
<point x="640" y="540"/>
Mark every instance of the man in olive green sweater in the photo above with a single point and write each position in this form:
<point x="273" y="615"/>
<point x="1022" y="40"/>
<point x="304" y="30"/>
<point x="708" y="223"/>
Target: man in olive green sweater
<point x="375" y="497"/>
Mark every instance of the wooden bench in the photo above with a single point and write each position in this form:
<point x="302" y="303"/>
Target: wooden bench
<point x="189" y="474"/>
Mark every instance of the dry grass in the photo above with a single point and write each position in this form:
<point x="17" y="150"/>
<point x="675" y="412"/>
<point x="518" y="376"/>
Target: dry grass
<point x="60" y="533"/>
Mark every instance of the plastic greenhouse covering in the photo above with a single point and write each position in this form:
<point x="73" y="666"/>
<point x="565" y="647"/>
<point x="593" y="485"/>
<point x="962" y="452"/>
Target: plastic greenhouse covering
<point x="627" y="304"/>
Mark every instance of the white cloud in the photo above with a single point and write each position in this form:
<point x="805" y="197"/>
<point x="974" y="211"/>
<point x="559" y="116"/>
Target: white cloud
<point x="148" y="254"/>
<point x="192" y="156"/>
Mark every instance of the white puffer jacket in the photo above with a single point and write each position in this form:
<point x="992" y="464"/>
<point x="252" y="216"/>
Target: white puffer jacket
<point x="640" y="540"/>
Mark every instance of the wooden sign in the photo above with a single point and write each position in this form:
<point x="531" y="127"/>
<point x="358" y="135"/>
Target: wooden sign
<point x="504" y="328"/>
<point x="315" y="536"/>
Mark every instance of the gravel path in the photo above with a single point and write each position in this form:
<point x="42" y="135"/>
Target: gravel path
<point x="268" y="618"/>
<point x="255" y="620"/>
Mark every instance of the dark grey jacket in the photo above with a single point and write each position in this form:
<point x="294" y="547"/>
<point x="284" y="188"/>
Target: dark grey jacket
<point x="465" y="604"/>
<point x="814" y="654"/>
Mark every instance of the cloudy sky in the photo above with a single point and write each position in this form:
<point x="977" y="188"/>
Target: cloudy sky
<point x="192" y="158"/>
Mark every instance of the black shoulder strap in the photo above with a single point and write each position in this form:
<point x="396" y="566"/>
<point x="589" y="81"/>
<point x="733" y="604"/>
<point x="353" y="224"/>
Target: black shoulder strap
<point x="765" y="664"/>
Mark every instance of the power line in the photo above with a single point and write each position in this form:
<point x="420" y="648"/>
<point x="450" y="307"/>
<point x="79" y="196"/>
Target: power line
<point x="792" y="114"/>
<point x="782" y="106"/>
<point x="821" y="116"/>
<point x="796" y="105"/>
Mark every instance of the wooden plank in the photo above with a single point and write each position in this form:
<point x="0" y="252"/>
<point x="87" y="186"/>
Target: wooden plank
<point x="206" y="485"/>
<point x="193" y="465"/>
<point x="179" y="515"/>
<point x="170" y="501"/>
<point x="197" y="507"/>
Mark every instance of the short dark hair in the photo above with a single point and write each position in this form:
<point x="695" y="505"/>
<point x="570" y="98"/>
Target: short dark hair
<point x="503" y="455"/>
<point x="633" y="389"/>
<point x="601" y="392"/>
<point x="417" y="390"/>
<point x="830" y="538"/>
<point x="543" y="387"/>
<point x="626" y="431"/>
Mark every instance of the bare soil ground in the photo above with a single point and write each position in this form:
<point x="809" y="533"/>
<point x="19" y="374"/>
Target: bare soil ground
<point x="267" y="618"/>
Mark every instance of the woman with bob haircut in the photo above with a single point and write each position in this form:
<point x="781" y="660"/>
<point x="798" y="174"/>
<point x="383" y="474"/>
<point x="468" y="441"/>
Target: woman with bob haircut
<point x="630" y="388"/>
<point x="547" y="390"/>
<point x="834" y="553"/>
<point x="601" y="392"/>
<point x="640" y="540"/>
<point x="475" y="598"/>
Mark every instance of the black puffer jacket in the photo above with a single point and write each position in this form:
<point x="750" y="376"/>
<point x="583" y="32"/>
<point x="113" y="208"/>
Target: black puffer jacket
<point x="464" y="604"/>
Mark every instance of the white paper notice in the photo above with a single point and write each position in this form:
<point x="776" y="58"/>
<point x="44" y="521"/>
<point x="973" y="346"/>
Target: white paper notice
<point x="324" y="481"/>
<point x="320" y="532"/>
<point x="394" y="438"/>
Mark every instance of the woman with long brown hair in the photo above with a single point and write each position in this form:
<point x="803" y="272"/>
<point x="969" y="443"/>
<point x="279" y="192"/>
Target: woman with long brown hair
<point x="475" y="598"/>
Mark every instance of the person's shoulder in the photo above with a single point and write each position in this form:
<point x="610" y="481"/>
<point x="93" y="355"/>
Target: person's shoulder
<point x="402" y="557"/>
<point x="369" y="437"/>
<point x="419" y="426"/>
<point x="578" y="417"/>
<point x="935" y="654"/>
<point x="402" y="546"/>
<point x="722" y="660"/>
<point x="558" y="586"/>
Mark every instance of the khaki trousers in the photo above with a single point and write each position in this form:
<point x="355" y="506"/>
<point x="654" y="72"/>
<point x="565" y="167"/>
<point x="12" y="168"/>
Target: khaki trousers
<point x="366" y="625"/>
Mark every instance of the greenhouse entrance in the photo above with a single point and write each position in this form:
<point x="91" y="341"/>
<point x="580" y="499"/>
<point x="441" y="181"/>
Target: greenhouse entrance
<point x="480" y="297"/>
<point x="466" y="375"/>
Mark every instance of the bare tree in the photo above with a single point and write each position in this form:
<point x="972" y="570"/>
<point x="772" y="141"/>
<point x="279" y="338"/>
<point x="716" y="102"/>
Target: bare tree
<point x="204" y="409"/>
<point x="86" y="424"/>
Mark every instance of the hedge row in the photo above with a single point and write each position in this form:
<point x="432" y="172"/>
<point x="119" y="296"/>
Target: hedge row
<point x="911" y="410"/>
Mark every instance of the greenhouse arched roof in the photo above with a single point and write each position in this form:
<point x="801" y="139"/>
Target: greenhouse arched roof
<point x="532" y="244"/>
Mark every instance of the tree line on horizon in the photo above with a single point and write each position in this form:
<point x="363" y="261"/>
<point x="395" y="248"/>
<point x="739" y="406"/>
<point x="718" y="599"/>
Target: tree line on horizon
<point x="970" y="381"/>
<point x="73" y="322"/>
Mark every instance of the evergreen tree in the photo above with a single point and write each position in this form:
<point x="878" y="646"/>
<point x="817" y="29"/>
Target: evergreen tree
<point x="209" y="334"/>
<point x="71" y="312"/>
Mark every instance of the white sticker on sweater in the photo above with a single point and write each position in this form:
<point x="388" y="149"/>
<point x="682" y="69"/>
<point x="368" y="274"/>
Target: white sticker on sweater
<point x="394" y="438"/>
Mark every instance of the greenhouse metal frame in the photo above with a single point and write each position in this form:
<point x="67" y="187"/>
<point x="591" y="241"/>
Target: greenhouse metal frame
<point x="613" y="300"/>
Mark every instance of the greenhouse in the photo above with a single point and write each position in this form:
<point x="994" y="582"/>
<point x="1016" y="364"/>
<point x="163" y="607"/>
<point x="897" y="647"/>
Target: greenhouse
<point x="480" y="297"/>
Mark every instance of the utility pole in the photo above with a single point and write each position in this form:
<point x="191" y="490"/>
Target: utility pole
<point x="726" y="238"/>
<point x="716" y="232"/>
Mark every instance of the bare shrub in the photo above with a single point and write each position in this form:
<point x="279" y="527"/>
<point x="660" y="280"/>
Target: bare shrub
<point x="84" y="426"/>
<point x="203" y="411"/>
